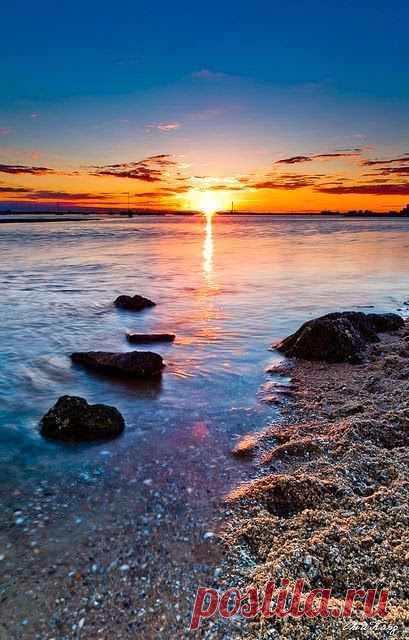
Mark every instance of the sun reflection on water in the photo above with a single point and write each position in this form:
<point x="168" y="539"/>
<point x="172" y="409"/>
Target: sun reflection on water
<point x="208" y="248"/>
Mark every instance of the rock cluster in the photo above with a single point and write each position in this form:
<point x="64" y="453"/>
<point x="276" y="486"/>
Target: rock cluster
<point x="338" y="337"/>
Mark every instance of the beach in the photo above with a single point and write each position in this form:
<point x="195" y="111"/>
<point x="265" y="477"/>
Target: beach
<point x="115" y="537"/>
<point x="328" y="503"/>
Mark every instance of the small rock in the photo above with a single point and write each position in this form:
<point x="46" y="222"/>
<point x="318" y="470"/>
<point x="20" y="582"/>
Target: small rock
<point x="133" y="303"/>
<point x="142" y="338"/>
<point x="134" y="364"/>
<point x="72" y="418"/>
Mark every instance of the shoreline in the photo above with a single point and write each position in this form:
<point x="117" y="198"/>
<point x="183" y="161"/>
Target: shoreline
<point x="329" y="498"/>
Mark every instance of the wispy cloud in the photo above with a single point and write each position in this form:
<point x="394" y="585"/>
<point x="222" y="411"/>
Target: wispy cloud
<point x="207" y="74"/>
<point x="383" y="189"/>
<point x="355" y="153"/>
<point x="21" y="169"/>
<point x="4" y="131"/>
<point x="164" y="126"/>
<point x="294" y="160"/>
<point x="34" y="194"/>
<point x="373" y="163"/>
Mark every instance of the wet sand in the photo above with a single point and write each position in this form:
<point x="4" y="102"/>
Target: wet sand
<point x="118" y="552"/>
<point x="329" y="498"/>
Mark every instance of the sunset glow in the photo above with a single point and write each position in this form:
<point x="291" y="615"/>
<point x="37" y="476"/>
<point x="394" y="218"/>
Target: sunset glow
<point x="208" y="202"/>
<point x="273" y="125"/>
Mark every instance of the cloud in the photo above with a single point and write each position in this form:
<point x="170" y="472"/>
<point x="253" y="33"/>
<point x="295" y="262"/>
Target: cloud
<point x="19" y="168"/>
<point x="372" y="163"/>
<point x="34" y="194"/>
<point x="294" y="160"/>
<point x="164" y="126"/>
<point x="383" y="189"/>
<point x="4" y="131"/>
<point x="402" y="171"/>
<point x="338" y="154"/>
<point x="354" y="153"/>
<point x="150" y="169"/>
<point x="64" y="195"/>
<point x="288" y="184"/>
<point x="207" y="74"/>
<point x="14" y="190"/>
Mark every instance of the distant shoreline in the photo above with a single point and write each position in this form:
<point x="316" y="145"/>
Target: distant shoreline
<point x="49" y="216"/>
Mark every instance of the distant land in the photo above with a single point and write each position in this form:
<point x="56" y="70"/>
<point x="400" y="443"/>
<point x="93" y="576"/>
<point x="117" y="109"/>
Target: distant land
<point x="78" y="213"/>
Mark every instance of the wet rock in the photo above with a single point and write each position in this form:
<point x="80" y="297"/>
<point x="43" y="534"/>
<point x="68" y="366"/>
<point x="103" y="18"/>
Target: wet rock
<point x="135" y="364"/>
<point x="133" y="303"/>
<point x="384" y="322"/>
<point x="246" y="445"/>
<point x="338" y="337"/>
<point x="142" y="338"/>
<point x="72" y="418"/>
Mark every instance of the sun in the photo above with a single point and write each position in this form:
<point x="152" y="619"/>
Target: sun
<point x="208" y="202"/>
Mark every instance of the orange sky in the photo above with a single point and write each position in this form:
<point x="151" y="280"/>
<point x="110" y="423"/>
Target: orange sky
<point x="331" y="179"/>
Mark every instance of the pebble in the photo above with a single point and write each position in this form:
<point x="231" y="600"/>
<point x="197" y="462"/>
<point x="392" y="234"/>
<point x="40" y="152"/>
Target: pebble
<point x="208" y="535"/>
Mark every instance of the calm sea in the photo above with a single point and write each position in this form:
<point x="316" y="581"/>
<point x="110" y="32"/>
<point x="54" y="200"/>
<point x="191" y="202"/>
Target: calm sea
<point x="227" y="289"/>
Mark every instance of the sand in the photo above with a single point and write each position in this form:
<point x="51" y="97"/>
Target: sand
<point x="329" y="500"/>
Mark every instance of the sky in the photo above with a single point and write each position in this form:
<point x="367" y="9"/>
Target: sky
<point x="276" y="106"/>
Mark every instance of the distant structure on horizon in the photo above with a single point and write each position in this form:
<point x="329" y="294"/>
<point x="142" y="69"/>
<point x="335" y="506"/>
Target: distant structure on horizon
<point x="359" y="213"/>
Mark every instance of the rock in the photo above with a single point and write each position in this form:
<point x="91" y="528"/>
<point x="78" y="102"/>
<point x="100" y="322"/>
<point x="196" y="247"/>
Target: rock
<point x="384" y="322"/>
<point x="72" y="418"/>
<point x="246" y="445"/>
<point x="135" y="364"/>
<point x="133" y="303"/>
<point x="141" y="338"/>
<point x="338" y="337"/>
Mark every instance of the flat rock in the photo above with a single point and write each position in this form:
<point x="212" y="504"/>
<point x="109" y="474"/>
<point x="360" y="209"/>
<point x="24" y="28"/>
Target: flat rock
<point x="142" y="338"/>
<point x="72" y="418"/>
<point x="133" y="303"/>
<point x="338" y="337"/>
<point x="135" y="364"/>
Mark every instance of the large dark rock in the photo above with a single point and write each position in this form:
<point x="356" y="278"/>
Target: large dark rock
<point x="135" y="364"/>
<point x="72" y="418"/>
<point x="142" y="338"/>
<point x="384" y="322"/>
<point x="338" y="337"/>
<point x="133" y="303"/>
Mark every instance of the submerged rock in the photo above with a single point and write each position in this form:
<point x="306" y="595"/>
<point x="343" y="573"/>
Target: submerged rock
<point x="135" y="364"/>
<point x="133" y="303"/>
<point x="338" y="337"/>
<point x="72" y="418"/>
<point x="141" y="338"/>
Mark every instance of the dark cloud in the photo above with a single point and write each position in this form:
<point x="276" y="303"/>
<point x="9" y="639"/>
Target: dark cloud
<point x="387" y="171"/>
<point x="296" y="182"/>
<point x="382" y="189"/>
<point x="373" y="163"/>
<point x="349" y="153"/>
<point x="148" y="170"/>
<point x="14" y="190"/>
<point x="33" y="194"/>
<point x="294" y="160"/>
<point x="19" y="169"/>
<point x="338" y="154"/>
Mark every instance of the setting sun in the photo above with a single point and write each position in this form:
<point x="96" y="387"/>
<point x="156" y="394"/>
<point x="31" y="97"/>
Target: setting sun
<point x="208" y="202"/>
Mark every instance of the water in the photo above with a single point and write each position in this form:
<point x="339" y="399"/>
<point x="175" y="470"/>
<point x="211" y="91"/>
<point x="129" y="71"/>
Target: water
<point x="152" y="498"/>
<point x="226" y="289"/>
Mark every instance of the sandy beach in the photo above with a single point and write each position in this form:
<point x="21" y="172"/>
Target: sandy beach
<point x="329" y="502"/>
